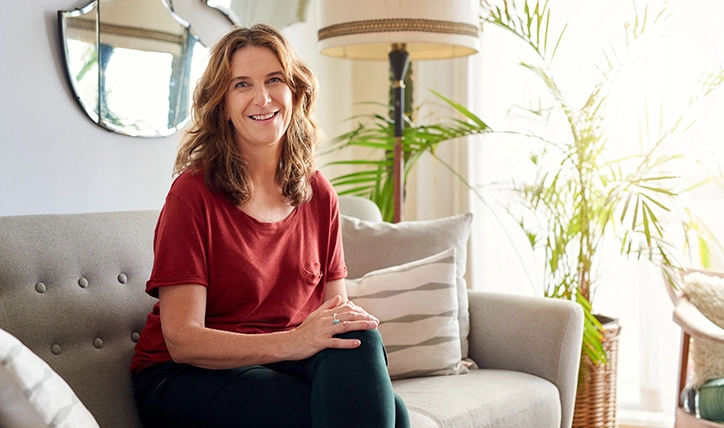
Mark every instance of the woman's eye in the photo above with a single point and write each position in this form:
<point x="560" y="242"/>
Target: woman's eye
<point x="275" y="80"/>
<point x="241" y="85"/>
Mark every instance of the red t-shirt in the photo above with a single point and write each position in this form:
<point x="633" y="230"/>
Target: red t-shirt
<point x="260" y="277"/>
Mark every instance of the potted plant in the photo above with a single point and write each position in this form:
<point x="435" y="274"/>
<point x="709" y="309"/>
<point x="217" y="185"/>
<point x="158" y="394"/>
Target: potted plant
<point x="584" y="194"/>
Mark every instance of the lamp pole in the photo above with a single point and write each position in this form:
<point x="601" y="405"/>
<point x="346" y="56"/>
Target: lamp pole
<point x="399" y="60"/>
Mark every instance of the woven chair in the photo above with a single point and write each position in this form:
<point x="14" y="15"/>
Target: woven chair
<point x="693" y="324"/>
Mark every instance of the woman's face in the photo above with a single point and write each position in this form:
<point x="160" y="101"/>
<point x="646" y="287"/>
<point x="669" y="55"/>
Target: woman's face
<point x="258" y="100"/>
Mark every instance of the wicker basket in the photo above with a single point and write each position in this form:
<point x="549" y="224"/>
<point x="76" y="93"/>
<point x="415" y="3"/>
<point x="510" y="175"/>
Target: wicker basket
<point x="596" y="395"/>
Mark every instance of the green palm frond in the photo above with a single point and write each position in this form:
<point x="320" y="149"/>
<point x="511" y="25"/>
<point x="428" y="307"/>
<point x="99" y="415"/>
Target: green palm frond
<point x="373" y="176"/>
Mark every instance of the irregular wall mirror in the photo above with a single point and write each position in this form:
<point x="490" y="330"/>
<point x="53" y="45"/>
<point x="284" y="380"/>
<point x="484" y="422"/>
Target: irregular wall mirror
<point x="279" y="13"/>
<point x="131" y="64"/>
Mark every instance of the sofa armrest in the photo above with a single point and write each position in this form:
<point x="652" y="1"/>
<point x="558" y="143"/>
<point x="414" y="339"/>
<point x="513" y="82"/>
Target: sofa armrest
<point x="359" y="207"/>
<point x="535" y="335"/>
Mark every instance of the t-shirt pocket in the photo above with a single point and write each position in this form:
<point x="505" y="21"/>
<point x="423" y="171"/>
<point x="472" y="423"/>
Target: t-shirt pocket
<point x="312" y="273"/>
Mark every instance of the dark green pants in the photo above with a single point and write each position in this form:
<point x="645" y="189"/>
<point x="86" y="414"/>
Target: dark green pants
<point x="335" y="388"/>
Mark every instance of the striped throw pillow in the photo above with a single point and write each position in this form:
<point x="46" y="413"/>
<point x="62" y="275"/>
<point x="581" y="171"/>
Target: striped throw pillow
<point x="50" y="396"/>
<point x="417" y="306"/>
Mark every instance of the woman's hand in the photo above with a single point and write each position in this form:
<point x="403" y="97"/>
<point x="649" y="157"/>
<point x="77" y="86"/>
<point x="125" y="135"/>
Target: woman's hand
<point x="317" y="332"/>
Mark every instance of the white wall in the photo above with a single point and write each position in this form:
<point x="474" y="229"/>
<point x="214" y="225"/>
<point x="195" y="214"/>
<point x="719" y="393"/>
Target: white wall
<point x="53" y="159"/>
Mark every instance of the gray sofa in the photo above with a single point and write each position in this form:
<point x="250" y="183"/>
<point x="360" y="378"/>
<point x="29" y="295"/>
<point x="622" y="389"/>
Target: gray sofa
<point x="72" y="290"/>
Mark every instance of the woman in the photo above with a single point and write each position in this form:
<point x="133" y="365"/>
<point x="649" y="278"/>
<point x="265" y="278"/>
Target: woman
<point x="252" y="325"/>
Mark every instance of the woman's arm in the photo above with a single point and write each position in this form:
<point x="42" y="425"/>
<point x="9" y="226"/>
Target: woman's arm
<point x="335" y="288"/>
<point x="188" y="340"/>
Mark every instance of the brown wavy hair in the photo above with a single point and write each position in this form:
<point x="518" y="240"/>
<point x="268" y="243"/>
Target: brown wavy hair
<point x="209" y="144"/>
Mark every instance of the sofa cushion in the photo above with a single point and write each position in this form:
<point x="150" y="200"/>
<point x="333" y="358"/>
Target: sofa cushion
<point x="370" y="246"/>
<point x="482" y="398"/>
<point x="52" y="398"/>
<point x="417" y="306"/>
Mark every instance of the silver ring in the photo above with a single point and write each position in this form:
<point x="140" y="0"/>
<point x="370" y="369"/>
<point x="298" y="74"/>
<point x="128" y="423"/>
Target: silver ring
<point x="336" y="320"/>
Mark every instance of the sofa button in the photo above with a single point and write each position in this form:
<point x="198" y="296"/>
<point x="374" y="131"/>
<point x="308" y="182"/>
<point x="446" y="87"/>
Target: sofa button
<point x="135" y="336"/>
<point x="98" y="343"/>
<point x="83" y="282"/>
<point x="122" y="278"/>
<point x="55" y="349"/>
<point x="40" y="287"/>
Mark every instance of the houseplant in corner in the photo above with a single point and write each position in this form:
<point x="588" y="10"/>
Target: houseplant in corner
<point x="587" y="192"/>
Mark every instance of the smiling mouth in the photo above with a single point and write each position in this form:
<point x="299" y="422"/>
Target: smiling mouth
<point x="264" y="116"/>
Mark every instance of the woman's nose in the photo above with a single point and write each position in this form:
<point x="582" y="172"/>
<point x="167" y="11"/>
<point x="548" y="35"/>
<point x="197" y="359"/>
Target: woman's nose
<point x="261" y="95"/>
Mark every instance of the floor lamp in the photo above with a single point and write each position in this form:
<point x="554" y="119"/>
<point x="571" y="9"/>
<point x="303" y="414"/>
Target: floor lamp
<point x="399" y="31"/>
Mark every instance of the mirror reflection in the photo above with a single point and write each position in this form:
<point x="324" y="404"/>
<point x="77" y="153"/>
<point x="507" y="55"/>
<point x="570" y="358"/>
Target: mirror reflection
<point x="132" y="65"/>
<point x="279" y="13"/>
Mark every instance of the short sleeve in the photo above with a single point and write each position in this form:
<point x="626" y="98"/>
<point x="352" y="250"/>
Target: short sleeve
<point x="180" y="246"/>
<point x="336" y="268"/>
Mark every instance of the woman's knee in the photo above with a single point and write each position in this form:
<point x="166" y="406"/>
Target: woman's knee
<point x="370" y="341"/>
<point x="370" y="352"/>
<point x="363" y="335"/>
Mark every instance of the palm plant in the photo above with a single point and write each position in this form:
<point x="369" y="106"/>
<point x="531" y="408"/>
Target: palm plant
<point x="583" y="194"/>
<point x="372" y="177"/>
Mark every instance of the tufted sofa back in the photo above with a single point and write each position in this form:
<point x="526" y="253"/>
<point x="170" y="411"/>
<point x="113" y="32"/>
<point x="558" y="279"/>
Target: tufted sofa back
<point x="72" y="290"/>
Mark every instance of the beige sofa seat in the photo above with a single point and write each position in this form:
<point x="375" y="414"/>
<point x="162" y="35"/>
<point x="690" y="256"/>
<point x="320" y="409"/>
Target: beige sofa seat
<point x="481" y="398"/>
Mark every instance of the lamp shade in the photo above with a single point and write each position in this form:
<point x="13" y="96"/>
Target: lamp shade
<point x="430" y="29"/>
